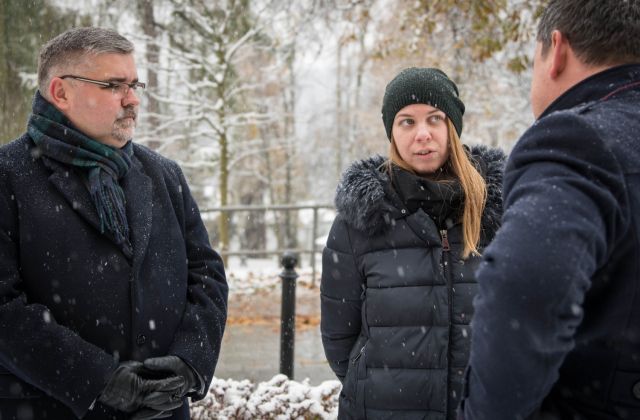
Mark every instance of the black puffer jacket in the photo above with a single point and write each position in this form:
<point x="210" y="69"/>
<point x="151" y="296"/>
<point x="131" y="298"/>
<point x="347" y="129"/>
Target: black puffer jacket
<point x="396" y="305"/>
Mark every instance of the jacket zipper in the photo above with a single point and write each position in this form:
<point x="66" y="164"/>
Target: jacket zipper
<point x="445" y="240"/>
<point x="446" y="259"/>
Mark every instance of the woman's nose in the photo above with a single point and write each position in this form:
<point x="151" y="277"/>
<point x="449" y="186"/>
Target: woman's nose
<point x="422" y="132"/>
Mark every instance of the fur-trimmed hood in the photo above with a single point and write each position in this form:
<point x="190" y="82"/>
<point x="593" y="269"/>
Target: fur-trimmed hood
<point x="366" y="201"/>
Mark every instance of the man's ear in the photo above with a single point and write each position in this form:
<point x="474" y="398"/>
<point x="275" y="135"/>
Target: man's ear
<point x="559" y="51"/>
<point x="58" y="93"/>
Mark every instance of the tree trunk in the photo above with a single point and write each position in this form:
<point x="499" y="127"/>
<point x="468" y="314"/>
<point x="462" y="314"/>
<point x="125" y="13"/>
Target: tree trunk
<point x="289" y="130"/>
<point x="224" y="191"/>
<point x="148" y="24"/>
<point x="339" y="118"/>
<point x="4" y="73"/>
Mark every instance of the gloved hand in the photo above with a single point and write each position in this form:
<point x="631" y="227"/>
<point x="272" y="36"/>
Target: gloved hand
<point x="158" y="405"/>
<point x="128" y="390"/>
<point x="150" y="413"/>
<point x="173" y="365"/>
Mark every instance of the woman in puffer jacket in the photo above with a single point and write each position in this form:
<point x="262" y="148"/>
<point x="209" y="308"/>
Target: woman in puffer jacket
<point x="398" y="268"/>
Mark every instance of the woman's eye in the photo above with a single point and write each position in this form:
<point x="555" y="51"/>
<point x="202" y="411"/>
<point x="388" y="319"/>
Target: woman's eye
<point x="406" y="121"/>
<point x="436" y="118"/>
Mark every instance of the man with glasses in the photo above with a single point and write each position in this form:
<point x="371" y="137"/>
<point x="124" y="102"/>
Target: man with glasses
<point x="112" y="302"/>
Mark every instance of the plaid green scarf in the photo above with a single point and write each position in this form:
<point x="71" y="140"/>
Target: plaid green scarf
<point x="59" y="140"/>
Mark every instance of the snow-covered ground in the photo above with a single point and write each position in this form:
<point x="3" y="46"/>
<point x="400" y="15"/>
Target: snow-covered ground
<point x="261" y="274"/>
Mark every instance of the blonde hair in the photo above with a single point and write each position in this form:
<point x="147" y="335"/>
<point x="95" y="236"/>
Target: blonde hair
<point x="472" y="183"/>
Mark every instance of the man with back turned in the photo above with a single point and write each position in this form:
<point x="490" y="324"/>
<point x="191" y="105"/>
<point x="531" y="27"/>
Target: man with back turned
<point x="556" y="330"/>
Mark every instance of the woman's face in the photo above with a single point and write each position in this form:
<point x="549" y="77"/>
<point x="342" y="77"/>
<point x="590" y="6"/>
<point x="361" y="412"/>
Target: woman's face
<point x="421" y="135"/>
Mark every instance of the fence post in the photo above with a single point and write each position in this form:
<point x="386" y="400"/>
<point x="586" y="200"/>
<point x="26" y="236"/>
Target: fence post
<point x="288" y="314"/>
<point x="314" y="234"/>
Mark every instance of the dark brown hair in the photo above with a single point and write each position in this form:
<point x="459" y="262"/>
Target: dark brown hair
<point x="601" y="32"/>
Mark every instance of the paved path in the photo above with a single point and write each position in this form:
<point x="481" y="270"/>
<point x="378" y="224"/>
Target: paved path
<point x="251" y="344"/>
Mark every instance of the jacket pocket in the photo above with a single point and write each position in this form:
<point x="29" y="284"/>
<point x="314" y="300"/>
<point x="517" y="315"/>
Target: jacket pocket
<point x="11" y="387"/>
<point x="352" y="397"/>
<point x="356" y="363"/>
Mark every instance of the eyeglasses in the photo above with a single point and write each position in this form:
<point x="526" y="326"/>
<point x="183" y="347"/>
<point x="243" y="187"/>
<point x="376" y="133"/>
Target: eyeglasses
<point x="117" y="88"/>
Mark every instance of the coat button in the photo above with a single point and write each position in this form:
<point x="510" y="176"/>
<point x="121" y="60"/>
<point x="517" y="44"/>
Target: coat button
<point x="636" y="390"/>
<point x="141" y="339"/>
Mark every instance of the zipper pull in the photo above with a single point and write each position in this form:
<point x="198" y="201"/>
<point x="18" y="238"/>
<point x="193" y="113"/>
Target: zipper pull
<point x="355" y="359"/>
<point x="445" y="240"/>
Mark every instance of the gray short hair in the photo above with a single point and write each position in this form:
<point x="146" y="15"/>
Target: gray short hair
<point x="74" y="45"/>
<point x="601" y="32"/>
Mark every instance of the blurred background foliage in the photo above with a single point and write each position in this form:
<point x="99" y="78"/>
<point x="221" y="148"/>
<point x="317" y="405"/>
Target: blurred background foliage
<point x="268" y="101"/>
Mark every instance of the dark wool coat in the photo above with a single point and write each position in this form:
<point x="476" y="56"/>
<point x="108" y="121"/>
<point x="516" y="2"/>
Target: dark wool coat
<point x="395" y="306"/>
<point x="557" y="324"/>
<point x="72" y="305"/>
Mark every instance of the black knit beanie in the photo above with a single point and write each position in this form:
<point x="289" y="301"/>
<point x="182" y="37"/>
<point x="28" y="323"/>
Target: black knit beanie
<point x="428" y="86"/>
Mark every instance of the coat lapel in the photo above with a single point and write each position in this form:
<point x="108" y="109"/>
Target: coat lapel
<point x="138" y="189"/>
<point x="138" y="192"/>
<point x="71" y="187"/>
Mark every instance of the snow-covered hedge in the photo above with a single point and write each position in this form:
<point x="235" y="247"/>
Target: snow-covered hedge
<point x="278" y="398"/>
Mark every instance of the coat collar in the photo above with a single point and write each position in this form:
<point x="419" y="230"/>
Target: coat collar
<point x="368" y="203"/>
<point x="597" y="87"/>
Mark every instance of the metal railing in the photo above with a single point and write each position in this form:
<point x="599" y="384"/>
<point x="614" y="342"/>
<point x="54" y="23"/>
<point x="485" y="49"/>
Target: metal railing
<point x="312" y="249"/>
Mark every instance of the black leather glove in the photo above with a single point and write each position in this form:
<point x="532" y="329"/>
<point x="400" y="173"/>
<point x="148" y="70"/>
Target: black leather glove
<point x="158" y="405"/>
<point x="150" y="413"/>
<point x="128" y="390"/>
<point x="173" y="365"/>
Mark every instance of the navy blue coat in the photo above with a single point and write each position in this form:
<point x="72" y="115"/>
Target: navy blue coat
<point x="395" y="301"/>
<point x="72" y="305"/>
<point x="557" y="324"/>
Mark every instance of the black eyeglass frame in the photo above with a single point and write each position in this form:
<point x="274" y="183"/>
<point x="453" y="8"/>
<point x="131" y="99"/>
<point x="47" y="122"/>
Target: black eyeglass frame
<point x="113" y="85"/>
